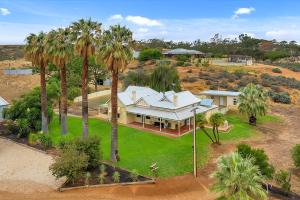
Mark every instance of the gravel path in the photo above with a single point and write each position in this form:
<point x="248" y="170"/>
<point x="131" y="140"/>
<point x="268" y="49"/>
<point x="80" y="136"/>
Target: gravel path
<point x="24" y="170"/>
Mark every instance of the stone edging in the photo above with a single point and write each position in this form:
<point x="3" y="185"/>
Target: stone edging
<point x="61" y="189"/>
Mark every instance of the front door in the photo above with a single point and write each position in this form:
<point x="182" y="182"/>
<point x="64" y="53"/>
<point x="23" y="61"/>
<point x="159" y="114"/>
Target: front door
<point x="222" y="102"/>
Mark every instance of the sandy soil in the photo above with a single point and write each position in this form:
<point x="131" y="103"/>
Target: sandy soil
<point x="25" y="170"/>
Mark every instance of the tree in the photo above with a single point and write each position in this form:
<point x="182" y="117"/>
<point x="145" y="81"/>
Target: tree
<point x="85" y="34"/>
<point x="201" y="122"/>
<point x="138" y="78"/>
<point x="216" y="120"/>
<point x="97" y="72"/>
<point x="35" y="52"/>
<point x="116" y="52"/>
<point x="238" y="178"/>
<point x="253" y="102"/>
<point x="60" y="49"/>
<point x="150" y="54"/>
<point x="165" y="78"/>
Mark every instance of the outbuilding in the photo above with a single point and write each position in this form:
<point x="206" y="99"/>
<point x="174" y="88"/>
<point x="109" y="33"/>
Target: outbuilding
<point x="3" y="104"/>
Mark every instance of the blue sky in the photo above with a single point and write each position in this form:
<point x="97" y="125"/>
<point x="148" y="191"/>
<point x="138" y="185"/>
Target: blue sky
<point x="170" y="20"/>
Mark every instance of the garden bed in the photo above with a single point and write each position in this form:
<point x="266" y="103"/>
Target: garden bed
<point x="125" y="179"/>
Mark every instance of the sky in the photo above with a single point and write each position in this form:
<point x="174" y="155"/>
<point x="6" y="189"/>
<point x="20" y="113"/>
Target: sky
<point x="178" y="20"/>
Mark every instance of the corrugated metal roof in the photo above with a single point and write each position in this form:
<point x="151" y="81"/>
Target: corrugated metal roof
<point x="206" y="102"/>
<point x="171" y="115"/>
<point x="183" y="51"/>
<point x="156" y="99"/>
<point x="220" y="93"/>
<point x="3" y="102"/>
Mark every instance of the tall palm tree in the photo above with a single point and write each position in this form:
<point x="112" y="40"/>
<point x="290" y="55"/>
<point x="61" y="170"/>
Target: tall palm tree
<point x="253" y="102"/>
<point x="85" y="33"/>
<point x="116" y="52"/>
<point x="238" y="178"/>
<point x="60" y="50"/>
<point x="35" y="52"/>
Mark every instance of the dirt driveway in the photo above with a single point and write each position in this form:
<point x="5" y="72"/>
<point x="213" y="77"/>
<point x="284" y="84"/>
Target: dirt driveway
<point x="24" y="170"/>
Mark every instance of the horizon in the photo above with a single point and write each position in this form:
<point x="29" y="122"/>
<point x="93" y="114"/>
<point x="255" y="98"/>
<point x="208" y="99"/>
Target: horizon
<point x="179" y="21"/>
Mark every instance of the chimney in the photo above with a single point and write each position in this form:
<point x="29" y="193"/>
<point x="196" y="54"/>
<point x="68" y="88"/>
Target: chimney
<point x="133" y="97"/>
<point x="175" y="100"/>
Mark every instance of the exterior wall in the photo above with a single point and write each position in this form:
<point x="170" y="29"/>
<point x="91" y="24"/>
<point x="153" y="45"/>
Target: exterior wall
<point x="121" y="111"/>
<point x="1" y="112"/>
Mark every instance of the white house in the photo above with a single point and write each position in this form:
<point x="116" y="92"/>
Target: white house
<point x="3" y="104"/>
<point x="168" y="112"/>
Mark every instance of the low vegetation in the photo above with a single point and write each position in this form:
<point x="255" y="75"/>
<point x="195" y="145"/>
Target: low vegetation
<point x="150" y="54"/>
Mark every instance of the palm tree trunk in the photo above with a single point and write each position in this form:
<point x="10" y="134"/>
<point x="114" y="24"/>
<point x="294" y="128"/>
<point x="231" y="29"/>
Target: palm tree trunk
<point x="85" y="111"/>
<point x="64" y="99"/>
<point x="44" y="103"/>
<point x="59" y="109"/>
<point x="114" y="117"/>
<point x="206" y="133"/>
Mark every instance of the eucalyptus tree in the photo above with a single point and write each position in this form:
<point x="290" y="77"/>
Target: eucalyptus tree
<point x="60" y="50"/>
<point x="84" y="36"/>
<point x="35" y="51"/>
<point x="253" y="102"/>
<point x="115" y="52"/>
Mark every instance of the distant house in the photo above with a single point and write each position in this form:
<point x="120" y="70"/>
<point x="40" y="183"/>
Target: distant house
<point x="246" y="60"/>
<point x="168" y="112"/>
<point x="223" y="99"/>
<point x="175" y="52"/>
<point x="3" y="104"/>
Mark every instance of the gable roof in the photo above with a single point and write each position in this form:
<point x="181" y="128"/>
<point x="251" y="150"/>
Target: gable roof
<point x="3" y="102"/>
<point x="220" y="93"/>
<point x="183" y="51"/>
<point x="157" y="99"/>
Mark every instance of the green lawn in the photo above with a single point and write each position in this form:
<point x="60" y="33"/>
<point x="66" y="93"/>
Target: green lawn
<point x="139" y="149"/>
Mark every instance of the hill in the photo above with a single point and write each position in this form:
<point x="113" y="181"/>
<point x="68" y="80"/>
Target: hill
<point x="11" y="52"/>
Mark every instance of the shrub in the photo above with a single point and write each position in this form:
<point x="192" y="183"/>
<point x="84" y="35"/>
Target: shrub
<point x="45" y="141"/>
<point x="73" y="92"/>
<point x="187" y="64"/>
<point x="87" y="178"/>
<point x="103" y="169"/>
<point x="283" y="178"/>
<point x="70" y="163"/>
<point x="149" y="54"/>
<point x="189" y="79"/>
<point x="116" y="177"/>
<point x="33" y="138"/>
<point x="179" y="63"/>
<point x="23" y="128"/>
<point x="101" y="178"/>
<point x="296" y="155"/>
<point x="183" y="58"/>
<point x="274" y="55"/>
<point x="134" y="175"/>
<point x="89" y="146"/>
<point x="282" y="97"/>
<point x="8" y="127"/>
<point x="260" y="159"/>
<point x="276" y="70"/>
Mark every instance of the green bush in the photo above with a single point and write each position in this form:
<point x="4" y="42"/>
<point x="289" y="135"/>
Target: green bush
<point x="276" y="70"/>
<point x="183" y="58"/>
<point x="281" y="97"/>
<point x="283" y="178"/>
<point x="187" y="64"/>
<point x="116" y="177"/>
<point x="179" y="63"/>
<point x="296" y="155"/>
<point x="73" y="92"/>
<point x="45" y="141"/>
<point x="70" y="163"/>
<point x="134" y="175"/>
<point x="101" y="178"/>
<point x="8" y="127"/>
<point x="150" y="54"/>
<point x="33" y="138"/>
<point x="89" y="146"/>
<point x="260" y="159"/>
<point x="23" y="128"/>
<point x="88" y="176"/>
<point x="274" y="55"/>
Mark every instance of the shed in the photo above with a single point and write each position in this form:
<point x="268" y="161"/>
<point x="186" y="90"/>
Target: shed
<point x="180" y="51"/>
<point x="3" y="104"/>
<point x="247" y="60"/>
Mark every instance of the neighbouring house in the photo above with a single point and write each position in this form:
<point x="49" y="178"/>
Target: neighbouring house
<point x="175" y="52"/>
<point x="167" y="112"/>
<point x="3" y="104"/>
<point x="225" y="100"/>
<point x="242" y="59"/>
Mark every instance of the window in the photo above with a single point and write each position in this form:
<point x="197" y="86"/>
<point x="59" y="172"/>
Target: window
<point x="118" y="115"/>
<point x="138" y="115"/>
<point x="235" y="101"/>
<point x="147" y="117"/>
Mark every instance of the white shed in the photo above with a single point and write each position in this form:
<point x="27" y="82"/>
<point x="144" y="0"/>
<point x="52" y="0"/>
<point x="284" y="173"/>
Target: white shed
<point x="3" y="104"/>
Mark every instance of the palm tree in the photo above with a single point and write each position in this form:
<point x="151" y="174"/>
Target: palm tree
<point x="201" y="122"/>
<point x="35" y="52"/>
<point x="60" y="51"/>
<point x="253" y="102"/>
<point x="85" y="33"/>
<point x="216" y="120"/>
<point x="238" y="178"/>
<point x="115" y="52"/>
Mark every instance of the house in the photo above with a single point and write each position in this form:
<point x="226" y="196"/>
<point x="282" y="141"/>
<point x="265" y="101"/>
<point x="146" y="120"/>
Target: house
<point x="242" y="59"/>
<point x="167" y="112"/>
<point x="175" y="52"/>
<point x="225" y="100"/>
<point x="3" y="104"/>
